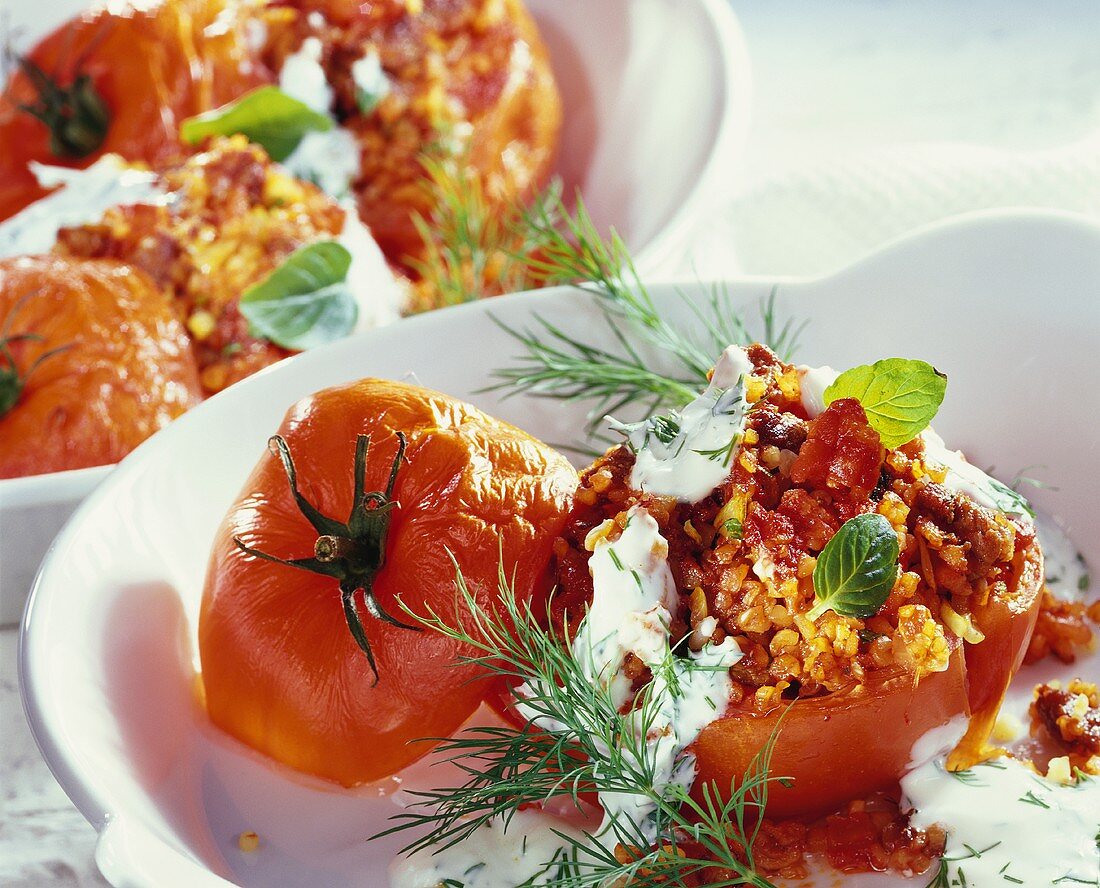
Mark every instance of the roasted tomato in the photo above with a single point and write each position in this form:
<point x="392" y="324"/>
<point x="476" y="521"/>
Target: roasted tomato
<point x="281" y="670"/>
<point x="857" y="742"/>
<point x="92" y="362"/>
<point x="121" y="79"/>
<point x="840" y="746"/>
<point x="1007" y="621"/>
<point x="474" y="76"/>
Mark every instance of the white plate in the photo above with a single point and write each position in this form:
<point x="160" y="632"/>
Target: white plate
<point x="1005" y="304"/>
<point x="656" y="96"/>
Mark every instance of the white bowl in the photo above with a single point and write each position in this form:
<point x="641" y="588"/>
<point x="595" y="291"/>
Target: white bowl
<point x="1003" y="303"/>
<point x="656" y="96"/>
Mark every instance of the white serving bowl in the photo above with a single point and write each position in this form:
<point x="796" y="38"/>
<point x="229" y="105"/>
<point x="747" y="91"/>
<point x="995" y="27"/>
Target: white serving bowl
<point x="1003" y="303"/>
<point x="656" y="97"/>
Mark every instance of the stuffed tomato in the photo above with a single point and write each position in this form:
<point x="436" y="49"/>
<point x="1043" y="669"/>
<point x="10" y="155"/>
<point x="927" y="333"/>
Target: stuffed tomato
<point x="874" y="584"/>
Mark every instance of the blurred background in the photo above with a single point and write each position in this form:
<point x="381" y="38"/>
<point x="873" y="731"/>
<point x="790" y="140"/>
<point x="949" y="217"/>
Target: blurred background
<point x="874" y="117"/>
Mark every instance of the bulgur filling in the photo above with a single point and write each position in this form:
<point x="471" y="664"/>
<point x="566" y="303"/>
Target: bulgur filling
<point x="234" y="217"/>
<point x="743" y="557"/>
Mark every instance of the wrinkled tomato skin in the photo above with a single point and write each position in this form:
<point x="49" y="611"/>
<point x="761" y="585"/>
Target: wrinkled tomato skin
<point x="124" y="370"/>
<point x="281" y="671"/>
<point x="843" y="746"/>
<point x="153" y="68"/>
<point x="1007" y="624"/>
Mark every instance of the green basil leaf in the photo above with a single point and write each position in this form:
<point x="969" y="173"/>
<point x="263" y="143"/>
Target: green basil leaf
<point x="304" y="302"/>
<point x="267" y="116"/>
<point x="899" y="396"/>
<point x="1008" y="500"/>
<point x="857" y="568"/>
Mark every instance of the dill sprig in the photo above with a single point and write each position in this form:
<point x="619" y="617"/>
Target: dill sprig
<point x="571" y="250"/>
<point x="592" y="747"/>
<point x="472" y="245"/>
<point x="476" y="246"/>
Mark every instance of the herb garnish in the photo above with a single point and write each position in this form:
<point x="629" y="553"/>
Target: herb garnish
<point x="555" y="364"/>
<point x="266" y="115"/>
<point x="857" y="568"/>
<point x="594" y="747"/>
<point x="1009" y="500"/>
<point x="472" y="247"/>
<point x="1029" y="798"/>
<point x="899" y="396"/>
<point x="723" y="454"/>
<point x="305" y="302"/>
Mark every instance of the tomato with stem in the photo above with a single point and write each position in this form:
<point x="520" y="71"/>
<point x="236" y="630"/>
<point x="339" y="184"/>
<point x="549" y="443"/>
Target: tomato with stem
<point x="306" y="652"/>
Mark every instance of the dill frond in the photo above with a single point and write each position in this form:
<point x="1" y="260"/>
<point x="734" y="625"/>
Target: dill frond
<point x="475" y="247"/>
<point x="472" y="244"/>
<point x="592" y="747"/>
<point x="555" y="364"/>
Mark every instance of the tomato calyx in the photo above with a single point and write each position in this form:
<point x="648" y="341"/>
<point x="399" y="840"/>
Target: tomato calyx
<point x="76" y="115"/>
<point x="351" y="552"/>
<point x="12" y="382"/>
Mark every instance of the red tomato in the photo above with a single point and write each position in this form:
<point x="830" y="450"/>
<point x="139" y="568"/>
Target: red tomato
<point x="148" y="69"/>
<point x="1007" y="624"/>
<point x="282" y="672"/>
<point x="852" y="744"/>
<point x="93" y="361"/>
<point x="836" y="747"/>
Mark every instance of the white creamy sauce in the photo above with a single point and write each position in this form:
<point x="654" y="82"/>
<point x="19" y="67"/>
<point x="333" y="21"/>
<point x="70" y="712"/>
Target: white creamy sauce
<point x="303" y="78"/>
<point x="812" y="383"/>
<point x="1067" y="573"/>
<point x="966" y="478"/>
<point x="632" y="593"/>
<point x="371" y="82"/>
<point x="1003" y="819"/>
<point x="84" y="196"/>
<point x="328" y="159"/>
<point x="370" y="280"/>
<point x="688" y="453"/>
<point x="498" y="857"/>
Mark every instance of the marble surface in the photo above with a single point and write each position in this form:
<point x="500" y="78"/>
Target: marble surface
<point x="871" y="117"/>
<point x="43" y="839"/>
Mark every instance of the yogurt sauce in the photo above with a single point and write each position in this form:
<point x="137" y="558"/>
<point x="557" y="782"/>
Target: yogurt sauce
<point x="1006" y="824"/>
<point x="85" y="195"/>
<point x="812" y="384"/>
<point x="329" y="159"/>
<point x="372" y="283"/>
<point x="966" y="478"/>
<point x="632" y="592"/>
<point x="371" y="82"/>
<point x="1067" y="572"/>
<point x="687" y="454"/>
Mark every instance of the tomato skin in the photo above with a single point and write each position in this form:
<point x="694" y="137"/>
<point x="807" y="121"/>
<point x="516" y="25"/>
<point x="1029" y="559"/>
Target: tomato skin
<point x="127" y="370"/>
<point x="837" y="747"/>
<point x="848" y="746"/>
<point x="281" y="670"/>
<point x="153" y="67"/>
<point x="991" y="665"/>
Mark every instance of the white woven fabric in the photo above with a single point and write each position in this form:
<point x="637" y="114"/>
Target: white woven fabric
<point x="821" y="217"/>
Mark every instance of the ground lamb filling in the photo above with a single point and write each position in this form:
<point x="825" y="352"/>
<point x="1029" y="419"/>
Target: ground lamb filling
<point x="743" y="560"/>
<point x="234" y="218"/>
